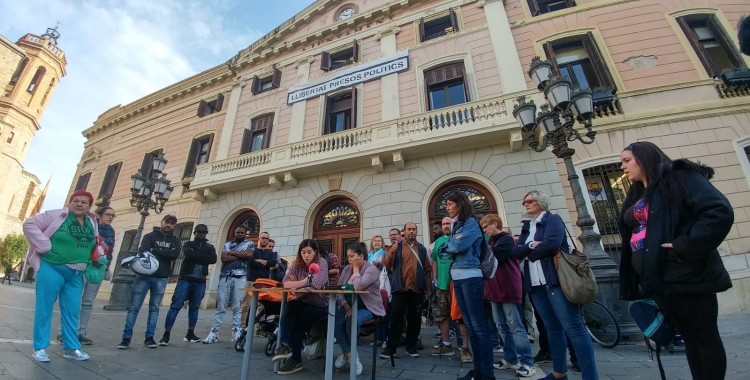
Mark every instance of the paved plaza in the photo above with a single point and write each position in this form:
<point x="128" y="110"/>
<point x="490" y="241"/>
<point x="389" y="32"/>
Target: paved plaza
<point x="186" y="361"/>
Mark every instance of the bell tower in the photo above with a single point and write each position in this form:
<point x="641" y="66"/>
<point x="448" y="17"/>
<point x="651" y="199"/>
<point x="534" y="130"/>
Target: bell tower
<point x="30" y="70"/>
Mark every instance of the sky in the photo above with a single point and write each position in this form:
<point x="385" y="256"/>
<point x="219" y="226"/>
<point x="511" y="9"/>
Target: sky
<point x="119" y="51"/>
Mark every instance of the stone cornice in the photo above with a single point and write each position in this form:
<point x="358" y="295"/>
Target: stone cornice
<point x="386" y="32"/>
<point x="482" y="3"/>
<point x="166" y="95"/>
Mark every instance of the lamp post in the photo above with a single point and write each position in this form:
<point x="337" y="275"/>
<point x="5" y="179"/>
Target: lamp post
<point x="569" y="104"/>
<point x="147" y="193"/>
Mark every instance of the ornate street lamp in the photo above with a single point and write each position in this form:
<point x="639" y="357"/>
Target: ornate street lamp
<point x="145" y="194"/>
<point x="556" y="123"/>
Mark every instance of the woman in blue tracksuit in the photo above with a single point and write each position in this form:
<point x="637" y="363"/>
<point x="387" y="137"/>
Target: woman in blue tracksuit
<point x="465" y="246"/>
<point x="540" y="240"/>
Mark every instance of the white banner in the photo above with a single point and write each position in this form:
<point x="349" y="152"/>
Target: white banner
<point x="349" y="77"/>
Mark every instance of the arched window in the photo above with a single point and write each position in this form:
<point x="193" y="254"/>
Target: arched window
<point x="480" y="198"/>
<point x="183" y="231"/>
<point x="250" y="221"/>
<point x="49" y="89"/>
<point x="336" y="225"/>
<point x="607" y="186"/>
<point x="19" y="71"/>
<point x="36" y="80"/>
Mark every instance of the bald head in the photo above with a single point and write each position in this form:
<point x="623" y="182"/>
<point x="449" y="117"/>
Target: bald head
<point x="446" y="224"/>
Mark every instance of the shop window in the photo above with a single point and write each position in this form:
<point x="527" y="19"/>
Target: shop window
<point x="341" y="112"/>
<point x="540" y="7"/>
<point x="438" y="27"/>
<point x="258" y="136"/>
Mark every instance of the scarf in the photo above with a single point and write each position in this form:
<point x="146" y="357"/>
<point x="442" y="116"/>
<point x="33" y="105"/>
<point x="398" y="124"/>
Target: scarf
<point x="372" y="256"/>
<point x="108" y="234"/>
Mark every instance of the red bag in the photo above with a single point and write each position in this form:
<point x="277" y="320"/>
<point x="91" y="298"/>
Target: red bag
<point x="100" y="250"/>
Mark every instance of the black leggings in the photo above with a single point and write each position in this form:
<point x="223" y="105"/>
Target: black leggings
<point x="695" y="317"/>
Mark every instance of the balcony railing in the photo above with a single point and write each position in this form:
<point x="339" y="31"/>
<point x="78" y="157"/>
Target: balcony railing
<point x="475" y="119"/>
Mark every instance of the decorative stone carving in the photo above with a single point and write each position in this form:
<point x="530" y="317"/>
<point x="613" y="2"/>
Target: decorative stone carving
<point x="386" y="32"/>
<point x="306" y="61"/>
<point x="482" y="3"/>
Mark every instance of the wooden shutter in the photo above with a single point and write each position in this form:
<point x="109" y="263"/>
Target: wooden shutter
<point x="219" y="102"/>
<point x="444" y="73"/>
<point x="247" y="137"/>
<point x="354" y="108"/>
<point x="571" y="3"/>
<point x="454" y="19"/>
<point x="265" y="124"/>
<point x="600" y="67"/>
<point x="147" y="164"/>
<point x="326" y="116"/>
<point x="355" y="51"/>
<point x="276" y="78"/>
<point x="83" y="181"/>
<point x="697" y="47"/>
<point x="192" y="159"/>
<point x="534" y="8"/>
<point x="421" y="30"/>
<point x="325" y="61"/>
<point x="110" y="180"/>
<point x="210" y="144"/>
<point x="202" y="108"/>
<point x="255" y="86"/>
<point x="550" y="53"/>
<point x="725" y="43"/>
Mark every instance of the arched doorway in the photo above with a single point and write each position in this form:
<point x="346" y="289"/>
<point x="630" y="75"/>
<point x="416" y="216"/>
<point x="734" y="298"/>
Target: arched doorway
<point x="336" y="225"/>
<point x="481" y="199"/>
<point x="248" y="219"/>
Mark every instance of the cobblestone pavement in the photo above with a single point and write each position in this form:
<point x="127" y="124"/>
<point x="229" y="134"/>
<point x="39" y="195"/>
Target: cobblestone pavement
<point x="186" y="361"/>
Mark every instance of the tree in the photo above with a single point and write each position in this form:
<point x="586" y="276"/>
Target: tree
<point x="12" y="248"/>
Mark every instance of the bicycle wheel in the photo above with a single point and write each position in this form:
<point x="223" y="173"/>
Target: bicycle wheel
<point x="601" y="325"/>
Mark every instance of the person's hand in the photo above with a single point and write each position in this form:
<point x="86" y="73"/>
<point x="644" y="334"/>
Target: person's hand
<point x="357" y="264"/>
<point x="261" y="261"/>
<point x="667" y="245"/>
<point x="534" y="244"/>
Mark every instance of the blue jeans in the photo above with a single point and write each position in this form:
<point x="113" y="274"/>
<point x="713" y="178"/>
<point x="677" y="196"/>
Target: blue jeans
<point x="141" y="286"/>
<point x="344" y="325"/>
<point x="296" y="319"/>
<point x="53" y="280"/>
<point x="561" y="317"/>
<point x="186" y="291"/>
<point x="508" y="318"/>
<point x="469" y="295"/>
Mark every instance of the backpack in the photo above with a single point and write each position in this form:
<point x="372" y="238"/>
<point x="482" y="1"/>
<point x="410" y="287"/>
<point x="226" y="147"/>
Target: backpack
<point x="487" y="261"/>
<point x="654" y="324"/>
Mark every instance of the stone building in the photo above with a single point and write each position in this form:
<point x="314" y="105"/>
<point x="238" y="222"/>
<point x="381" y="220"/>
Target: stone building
<point x="30" y="70"/>
<point x="357" y="116"/>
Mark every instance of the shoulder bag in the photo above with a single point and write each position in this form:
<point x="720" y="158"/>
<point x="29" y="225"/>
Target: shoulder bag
<point x="576" y="277"/>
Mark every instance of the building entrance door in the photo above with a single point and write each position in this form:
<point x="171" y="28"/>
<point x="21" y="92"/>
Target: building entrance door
<point x="336" y="226"/>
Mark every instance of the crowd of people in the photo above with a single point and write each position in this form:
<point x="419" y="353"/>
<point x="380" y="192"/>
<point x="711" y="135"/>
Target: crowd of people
<point x="672" y="221"/>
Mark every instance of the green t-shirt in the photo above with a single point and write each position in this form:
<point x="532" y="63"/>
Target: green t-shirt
<point x="444" y="262"/>
<point x="71" y="243"/>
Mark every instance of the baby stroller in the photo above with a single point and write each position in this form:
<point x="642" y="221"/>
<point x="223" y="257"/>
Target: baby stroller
<point x="266" y="319"/>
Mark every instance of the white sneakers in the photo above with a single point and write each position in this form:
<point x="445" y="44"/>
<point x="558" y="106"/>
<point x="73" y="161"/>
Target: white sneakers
<point x="341" y="361"/>
<point x="236" y="333"/>
<point x="43" y="357"/>
<point x="502" y="364"/>
<point x="40" y="355"/>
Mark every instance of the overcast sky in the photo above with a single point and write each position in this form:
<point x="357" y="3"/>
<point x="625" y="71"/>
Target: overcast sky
<point x="120" y="51"/>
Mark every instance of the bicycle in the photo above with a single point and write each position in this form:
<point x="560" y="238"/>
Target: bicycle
<point x="601" y="324"/>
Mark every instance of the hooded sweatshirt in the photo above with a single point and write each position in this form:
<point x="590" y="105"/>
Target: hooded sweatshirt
<point x="166" y="248"/>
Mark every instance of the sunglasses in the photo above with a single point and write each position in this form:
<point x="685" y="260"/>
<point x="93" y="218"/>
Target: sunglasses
<point x="524" y="203"/>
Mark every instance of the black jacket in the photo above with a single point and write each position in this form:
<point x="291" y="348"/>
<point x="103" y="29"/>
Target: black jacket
<point x="695" y="228"/>
<point x="166" y="248"/>
<point x="256" y="270"/>
<point x="199" y="251"/>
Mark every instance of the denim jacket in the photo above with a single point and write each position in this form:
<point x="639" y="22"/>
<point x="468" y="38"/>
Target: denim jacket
<point x="465" y="244"/>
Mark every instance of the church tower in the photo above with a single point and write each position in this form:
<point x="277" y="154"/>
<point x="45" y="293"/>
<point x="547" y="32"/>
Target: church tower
<point x="30" y="70"/>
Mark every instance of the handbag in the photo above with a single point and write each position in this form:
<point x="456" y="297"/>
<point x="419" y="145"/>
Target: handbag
<point x="654" y="324"/>
<point x="576" y="277"/>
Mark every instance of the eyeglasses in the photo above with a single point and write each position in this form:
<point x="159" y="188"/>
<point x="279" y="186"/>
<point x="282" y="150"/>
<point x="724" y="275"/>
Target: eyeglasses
<point x="530" y="201"/>
<point x="110" y="215"/>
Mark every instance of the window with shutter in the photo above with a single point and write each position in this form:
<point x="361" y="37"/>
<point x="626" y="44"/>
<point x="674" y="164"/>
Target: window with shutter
<point x="581" y="62"/>
<point x="209" y="107"/>
<point x="325" y="61"/>
<point x="539" y="7"/>
<point x="268" y="83"/>
<point x="83" y="181"/>
<point x="148" y="162"/>
<point x="341" y="112"/>
<point x="202" y="108"/>
<point x="446" y="86"/>
<point x="258" y="136"/>
<point x="339" y="59"/>
<point x="438" y="27"/>
<point x="110" y="181"/>
<point x="710" y="43"/>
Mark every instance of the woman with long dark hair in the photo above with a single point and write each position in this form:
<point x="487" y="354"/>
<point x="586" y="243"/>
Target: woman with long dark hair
<point x="465" y="247"/>
<point x="542" y="237"/>
<point x="306" y="308"/>
<point x="672" y="222"/>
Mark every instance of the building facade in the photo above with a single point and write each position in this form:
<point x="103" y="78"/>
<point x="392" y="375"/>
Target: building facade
<point x="357" y="116"/>
<point x="30" y="69"/>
